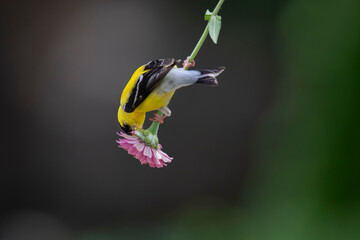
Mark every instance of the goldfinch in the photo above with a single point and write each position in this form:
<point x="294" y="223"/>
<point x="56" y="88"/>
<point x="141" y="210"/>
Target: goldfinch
<point x="152" y="86"/>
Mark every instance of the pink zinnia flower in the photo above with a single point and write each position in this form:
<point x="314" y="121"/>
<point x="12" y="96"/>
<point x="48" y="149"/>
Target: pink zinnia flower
<point x="144" y="148"/>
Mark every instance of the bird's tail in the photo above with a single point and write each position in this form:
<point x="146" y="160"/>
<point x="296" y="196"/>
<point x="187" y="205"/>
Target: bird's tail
<point x="208" y="76"/>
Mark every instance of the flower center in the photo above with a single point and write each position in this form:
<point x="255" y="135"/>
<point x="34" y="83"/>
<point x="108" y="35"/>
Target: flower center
<point x="147" y="137"/>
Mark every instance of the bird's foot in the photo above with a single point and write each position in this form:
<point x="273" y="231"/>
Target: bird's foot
<point x="186" y="63"/>
<point x="157" y="118"/>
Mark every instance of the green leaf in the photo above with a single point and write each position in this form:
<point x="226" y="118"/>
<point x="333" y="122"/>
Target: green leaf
<point x="208" y="15"/>
<point x="214" y="27"/>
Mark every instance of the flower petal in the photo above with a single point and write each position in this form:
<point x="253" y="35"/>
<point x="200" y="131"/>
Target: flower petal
<point x="165" y="157"/>
<point x="126" y="136"/>
<point x="163" y="153"/>
<point x="156" y="158"/>
<point x="156" y="154"/>
<point x="125" y="146"/>
<point x="140" y="147"/>
<point x="157" y="162"/>
<point x="143" y="159"/>
<point x="132" y="150"/>
<point x="147" y="151"/>
<point x="132" y="141"/>
<point x="151" y="163"/>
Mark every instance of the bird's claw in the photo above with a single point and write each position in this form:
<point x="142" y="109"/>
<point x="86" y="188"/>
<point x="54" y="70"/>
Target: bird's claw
<point x="186" y="63"/>
<point x="157" y="118"/>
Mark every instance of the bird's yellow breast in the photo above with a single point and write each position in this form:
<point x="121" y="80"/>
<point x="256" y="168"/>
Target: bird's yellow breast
<point x="155" y="101"/>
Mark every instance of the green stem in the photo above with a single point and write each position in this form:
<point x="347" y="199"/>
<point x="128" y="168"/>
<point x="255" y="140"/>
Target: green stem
<point x="198" y="45"/>
<point x="217" y="8"/>
<point x="155" y="125"/>
<point x="204" y="35"/>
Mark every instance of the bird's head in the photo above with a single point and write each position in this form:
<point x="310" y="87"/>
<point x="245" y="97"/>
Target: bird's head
<point x="130" y="121"/>
<point x="126" y="128"/>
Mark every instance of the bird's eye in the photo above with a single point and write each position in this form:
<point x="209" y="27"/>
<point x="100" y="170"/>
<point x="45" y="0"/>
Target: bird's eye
<point x="126" y="128"/>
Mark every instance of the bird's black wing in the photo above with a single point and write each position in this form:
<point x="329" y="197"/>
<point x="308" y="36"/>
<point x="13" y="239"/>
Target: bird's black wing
<point x="148" y="81"/>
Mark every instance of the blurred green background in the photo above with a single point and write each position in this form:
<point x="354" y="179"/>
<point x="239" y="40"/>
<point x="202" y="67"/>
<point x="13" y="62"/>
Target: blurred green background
<point x="276" y="153"/>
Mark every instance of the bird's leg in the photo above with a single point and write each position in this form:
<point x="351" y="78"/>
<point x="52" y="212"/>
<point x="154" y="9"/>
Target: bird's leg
<point x="186" y="63"/>
<point x="157" y="118"/>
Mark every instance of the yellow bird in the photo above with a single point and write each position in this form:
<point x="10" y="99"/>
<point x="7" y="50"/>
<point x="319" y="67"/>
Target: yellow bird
<point x="151" y="88"/>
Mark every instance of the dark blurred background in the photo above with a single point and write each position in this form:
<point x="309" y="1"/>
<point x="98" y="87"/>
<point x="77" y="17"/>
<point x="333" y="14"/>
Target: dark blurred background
<point x="272" y="153"/>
